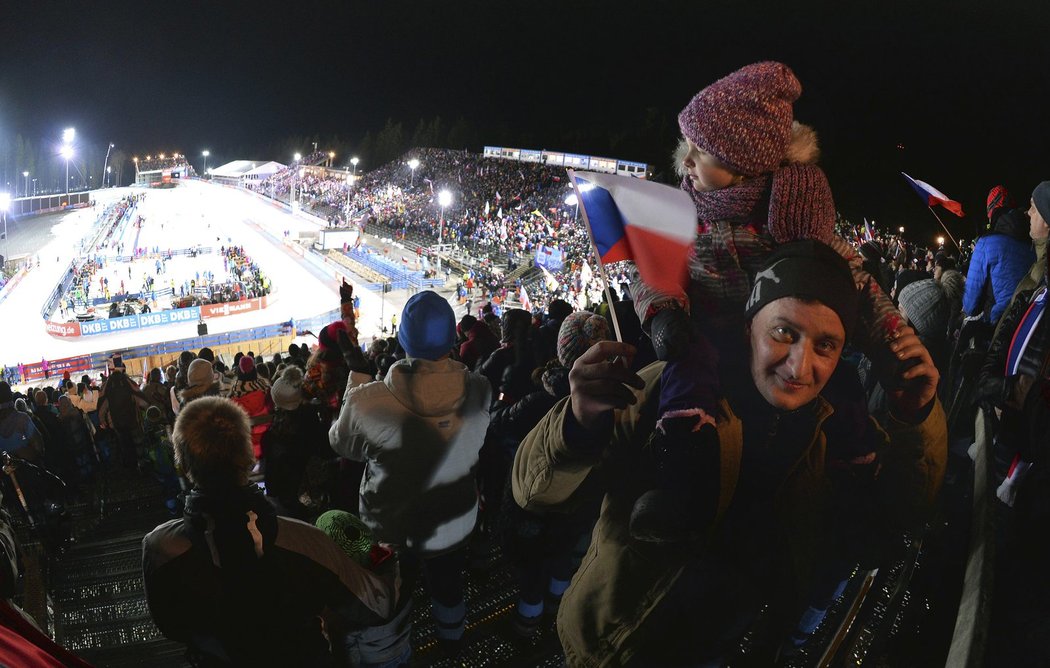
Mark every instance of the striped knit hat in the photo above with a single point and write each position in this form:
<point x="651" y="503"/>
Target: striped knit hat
<point x="744" y="119"/>
<point x="579" y="331"/>
<point x="998" y="197"/>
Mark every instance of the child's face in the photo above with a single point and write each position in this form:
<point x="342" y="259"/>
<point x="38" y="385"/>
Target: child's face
<point x="704" y="170"/>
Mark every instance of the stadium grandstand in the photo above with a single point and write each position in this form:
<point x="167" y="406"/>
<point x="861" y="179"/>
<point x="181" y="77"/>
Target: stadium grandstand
<point x="252" y="313"/>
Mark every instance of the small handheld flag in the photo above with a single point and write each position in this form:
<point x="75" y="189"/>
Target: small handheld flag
<point x="931" y="195"/>
<point x="633" y="219"/>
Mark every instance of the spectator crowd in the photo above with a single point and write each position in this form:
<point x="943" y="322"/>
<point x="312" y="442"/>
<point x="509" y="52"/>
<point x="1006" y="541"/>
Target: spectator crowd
<point x="800" y="404"/>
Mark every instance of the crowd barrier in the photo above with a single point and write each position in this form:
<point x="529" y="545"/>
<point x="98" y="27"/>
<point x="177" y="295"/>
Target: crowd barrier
<point x="10" y="285"/>
<point x="76" y="329"/>
<point x="167" y="351"/>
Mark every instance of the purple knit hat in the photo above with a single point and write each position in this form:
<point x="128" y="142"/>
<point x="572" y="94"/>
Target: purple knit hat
<point x="744" y="119"/>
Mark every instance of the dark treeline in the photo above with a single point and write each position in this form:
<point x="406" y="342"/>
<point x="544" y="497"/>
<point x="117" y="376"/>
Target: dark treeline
<point x="650" y="139"/>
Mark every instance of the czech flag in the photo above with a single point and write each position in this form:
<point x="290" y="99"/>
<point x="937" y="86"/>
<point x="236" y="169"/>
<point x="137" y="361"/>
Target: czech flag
<point x="932" y="196"/>
<point x="651" y="224"/>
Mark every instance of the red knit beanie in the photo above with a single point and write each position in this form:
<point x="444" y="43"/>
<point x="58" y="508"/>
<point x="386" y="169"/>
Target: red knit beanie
<point x="744" y="119"/>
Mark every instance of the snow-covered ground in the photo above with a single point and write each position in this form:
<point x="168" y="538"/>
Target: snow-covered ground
<point x="190" y="214"/>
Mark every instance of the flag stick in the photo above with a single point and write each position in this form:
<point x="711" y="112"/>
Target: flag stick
<point x="597" y="257"/>
<point x="945" y="228"/>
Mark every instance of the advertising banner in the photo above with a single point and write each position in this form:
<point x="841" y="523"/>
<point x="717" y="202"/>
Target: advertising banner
<point x="232" y="308"/>
<point x="55" y="368"/>
<point x="550" y="258"/>
<point x="63" y="329"/>
<point x="141" y="321"/>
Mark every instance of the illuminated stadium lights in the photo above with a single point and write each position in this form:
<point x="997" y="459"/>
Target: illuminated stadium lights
<point x="298" y="157"/>
<point x="161" y="156"/>
<point x="444" y="199"/>
<point x="67" y="152"/>
<point x="901" y="229"/>
<point x="412" y="164"/>
<point x="940" y="241"/>
<point x="353" y="161"/>
<point x="105" y="166"/>
<point x="205" y="153"/>
<point x="331" y="157"/>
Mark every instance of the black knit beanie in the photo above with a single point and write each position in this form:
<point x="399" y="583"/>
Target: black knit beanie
<point x="807" y="270"/>
<point x="1041" y="196"/>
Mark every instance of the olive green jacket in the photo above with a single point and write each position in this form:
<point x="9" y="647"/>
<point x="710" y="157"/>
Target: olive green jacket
<point x="621" y="581"/>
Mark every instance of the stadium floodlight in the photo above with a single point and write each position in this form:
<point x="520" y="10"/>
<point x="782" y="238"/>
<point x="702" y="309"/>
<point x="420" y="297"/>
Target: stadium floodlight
<point x="67" y="153"/>
<point x="68" y="135"/>
<point x="331" y="157"/>
<point x="205" y="153"/>
<point x="444" y="199"/>
<point x="353" y="161"/>
<point x="901" y="228"/>
<point x="940" y="241"/>
<point x="412" y="164"/>
<point x="298" y="157"/>
<point x="161" y="156"/>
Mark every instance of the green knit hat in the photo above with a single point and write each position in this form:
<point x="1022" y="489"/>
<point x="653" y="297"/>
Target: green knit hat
<point x="349" y="533"/>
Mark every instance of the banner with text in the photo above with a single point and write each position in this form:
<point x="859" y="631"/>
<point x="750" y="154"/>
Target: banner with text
<point x="141" y="321"/>
<point x="550" y="258"/>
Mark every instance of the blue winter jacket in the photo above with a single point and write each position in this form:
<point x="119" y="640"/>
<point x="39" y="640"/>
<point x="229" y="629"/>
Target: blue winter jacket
<point x="999" y="262"/>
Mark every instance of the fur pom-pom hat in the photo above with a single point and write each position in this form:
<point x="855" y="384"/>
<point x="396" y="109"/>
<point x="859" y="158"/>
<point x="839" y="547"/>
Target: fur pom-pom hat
<point x="287" y="389"/>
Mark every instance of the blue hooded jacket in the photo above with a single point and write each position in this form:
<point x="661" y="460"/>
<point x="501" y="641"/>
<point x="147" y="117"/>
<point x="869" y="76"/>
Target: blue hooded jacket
<point x="1000" y="260"/>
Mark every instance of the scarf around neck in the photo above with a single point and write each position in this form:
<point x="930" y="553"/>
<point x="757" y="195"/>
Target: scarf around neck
<point x="746" y="202"/>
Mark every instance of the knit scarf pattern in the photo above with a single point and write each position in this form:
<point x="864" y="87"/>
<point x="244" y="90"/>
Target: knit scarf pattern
<point x="746" y="202"/>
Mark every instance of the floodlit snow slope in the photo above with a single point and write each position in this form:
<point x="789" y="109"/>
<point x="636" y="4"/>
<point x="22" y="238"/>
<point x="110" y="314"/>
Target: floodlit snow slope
<point x="192" y="213"/>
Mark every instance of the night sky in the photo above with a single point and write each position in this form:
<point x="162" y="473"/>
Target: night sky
<point x="963" y="87"/>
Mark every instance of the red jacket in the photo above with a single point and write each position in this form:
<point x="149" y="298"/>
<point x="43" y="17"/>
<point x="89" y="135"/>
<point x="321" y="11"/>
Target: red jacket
<point x="259" y="407"/>
<point x="480" y="343"/>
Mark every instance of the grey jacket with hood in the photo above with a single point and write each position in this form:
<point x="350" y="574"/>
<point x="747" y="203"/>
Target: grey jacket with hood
<point x="419" y="431"/>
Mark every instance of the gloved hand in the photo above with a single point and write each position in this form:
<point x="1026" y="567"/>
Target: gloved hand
<point x="672" y="333"/>
<point x="991" y="391"/>
<point x="355" y="359"/>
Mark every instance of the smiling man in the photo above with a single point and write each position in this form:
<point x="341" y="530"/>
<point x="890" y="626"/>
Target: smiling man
<point x="778" y="506"/>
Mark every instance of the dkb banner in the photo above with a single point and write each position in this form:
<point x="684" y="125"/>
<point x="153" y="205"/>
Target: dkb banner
<point x="141" y="321"/>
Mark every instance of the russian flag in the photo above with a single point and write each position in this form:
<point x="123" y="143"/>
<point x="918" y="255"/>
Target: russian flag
<point x="932" y="196"/>
<point x="651" y="224"/>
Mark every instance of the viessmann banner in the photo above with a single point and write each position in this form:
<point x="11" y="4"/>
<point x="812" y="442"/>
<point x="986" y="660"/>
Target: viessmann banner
<point x="141" y="321"/>
<point x="233" y="308"/>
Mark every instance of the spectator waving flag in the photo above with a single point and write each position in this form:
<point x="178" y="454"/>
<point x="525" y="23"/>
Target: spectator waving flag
<point x="526" y="303"/>
<point x="585" y="273"/>
<point x="651" y="224"/>
<point x="932" y="196"/>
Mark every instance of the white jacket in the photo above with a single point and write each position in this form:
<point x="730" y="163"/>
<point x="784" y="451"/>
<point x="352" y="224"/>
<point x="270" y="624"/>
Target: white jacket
<point x="419" y="432"/>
